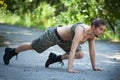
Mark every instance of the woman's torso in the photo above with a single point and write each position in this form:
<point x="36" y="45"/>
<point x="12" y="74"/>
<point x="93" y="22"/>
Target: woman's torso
<point x="67" y="32"/>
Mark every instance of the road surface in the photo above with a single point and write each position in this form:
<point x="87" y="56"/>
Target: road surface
<point x="30" y="64"/>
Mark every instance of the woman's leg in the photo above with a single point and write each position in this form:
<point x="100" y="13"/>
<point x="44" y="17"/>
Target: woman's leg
<point x="53" y="58"/>
<point x="23" y="47"/>
<point x="11" y="52"/>
<point x="78" y="55"/>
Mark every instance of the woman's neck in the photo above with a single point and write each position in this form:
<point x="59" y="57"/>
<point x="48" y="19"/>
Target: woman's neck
<point x="90" y="32"/>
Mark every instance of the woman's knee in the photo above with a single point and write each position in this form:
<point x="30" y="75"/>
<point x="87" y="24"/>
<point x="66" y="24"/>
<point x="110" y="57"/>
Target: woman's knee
<point x="79" y="55"/>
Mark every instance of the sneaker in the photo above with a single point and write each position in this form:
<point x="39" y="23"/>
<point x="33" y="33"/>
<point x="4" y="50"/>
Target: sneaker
<point x="9" y="53"/>
<point x="53" y="58"/>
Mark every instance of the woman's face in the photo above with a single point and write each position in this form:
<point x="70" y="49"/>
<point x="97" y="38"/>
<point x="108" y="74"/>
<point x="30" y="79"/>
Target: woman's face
<point x="99" y="30"/>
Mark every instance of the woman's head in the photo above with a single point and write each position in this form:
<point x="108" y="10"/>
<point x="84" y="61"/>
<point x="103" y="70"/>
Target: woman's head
<point x="98" y="22"/>
<point x="98" y="25"/>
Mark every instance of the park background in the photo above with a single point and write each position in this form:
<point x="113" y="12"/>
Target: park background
<point x="37" y="15"/>
<point x="42" y="14"/>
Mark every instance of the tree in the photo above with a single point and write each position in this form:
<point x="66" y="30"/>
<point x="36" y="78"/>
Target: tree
<point x="57" y="12"/>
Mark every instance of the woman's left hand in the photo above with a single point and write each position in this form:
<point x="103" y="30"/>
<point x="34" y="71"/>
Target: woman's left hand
<point x="98" y="69"/>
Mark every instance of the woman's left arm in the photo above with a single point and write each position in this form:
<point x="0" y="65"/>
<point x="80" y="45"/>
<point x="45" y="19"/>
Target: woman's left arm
<point x="92" y="54"/>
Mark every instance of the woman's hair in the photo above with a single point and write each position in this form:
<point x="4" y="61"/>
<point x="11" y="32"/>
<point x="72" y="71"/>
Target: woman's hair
<point x="97" y="22"/>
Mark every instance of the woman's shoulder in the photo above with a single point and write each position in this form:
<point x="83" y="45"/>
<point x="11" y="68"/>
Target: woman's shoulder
<point x="84" y="25"/>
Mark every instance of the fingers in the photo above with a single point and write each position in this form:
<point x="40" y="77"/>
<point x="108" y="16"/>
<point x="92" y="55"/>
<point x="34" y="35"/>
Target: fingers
<point x="73" y="71"/>
<point x="98" y="69"/>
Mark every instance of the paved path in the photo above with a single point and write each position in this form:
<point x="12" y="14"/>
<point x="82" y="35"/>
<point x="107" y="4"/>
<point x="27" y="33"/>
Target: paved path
<point x="30" y="65"/>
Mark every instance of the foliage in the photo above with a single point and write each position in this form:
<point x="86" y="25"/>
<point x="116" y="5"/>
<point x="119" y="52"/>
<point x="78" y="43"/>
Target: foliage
<point x="44" y="13"/>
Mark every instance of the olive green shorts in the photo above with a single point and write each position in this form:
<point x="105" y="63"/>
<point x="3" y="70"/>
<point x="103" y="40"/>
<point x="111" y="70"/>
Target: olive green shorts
<point x="50" y="38"/>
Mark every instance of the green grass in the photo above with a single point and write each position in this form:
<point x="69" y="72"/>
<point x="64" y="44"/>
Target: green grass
<point x="14" y="19"/>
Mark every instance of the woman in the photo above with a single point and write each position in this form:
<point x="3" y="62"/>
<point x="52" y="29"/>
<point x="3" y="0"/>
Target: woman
<point x="68" y="38"/>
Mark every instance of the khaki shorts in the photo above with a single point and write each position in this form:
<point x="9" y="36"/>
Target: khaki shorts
<point x="48" y="39"/>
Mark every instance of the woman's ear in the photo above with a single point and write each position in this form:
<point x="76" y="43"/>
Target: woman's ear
<point x="93" y="27"/>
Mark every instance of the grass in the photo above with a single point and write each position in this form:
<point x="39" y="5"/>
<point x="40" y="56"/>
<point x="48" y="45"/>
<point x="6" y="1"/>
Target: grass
<point x="14" y="19"/>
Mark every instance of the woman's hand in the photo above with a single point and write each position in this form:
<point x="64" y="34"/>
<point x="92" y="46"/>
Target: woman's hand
<point x="73" y="71"/>
<point x="98" y="69"/>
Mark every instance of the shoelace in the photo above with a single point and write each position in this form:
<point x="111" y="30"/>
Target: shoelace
<point x="16" y="56"/>
<point x="62" y="63"/>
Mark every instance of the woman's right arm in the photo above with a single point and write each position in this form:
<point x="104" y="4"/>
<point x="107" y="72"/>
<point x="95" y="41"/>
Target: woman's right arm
<point x="77" y="38"/>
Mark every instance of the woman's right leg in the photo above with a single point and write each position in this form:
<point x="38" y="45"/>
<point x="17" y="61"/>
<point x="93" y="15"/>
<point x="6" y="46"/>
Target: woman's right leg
<point x="11" y="52"/>
<point x="23" y="47"/>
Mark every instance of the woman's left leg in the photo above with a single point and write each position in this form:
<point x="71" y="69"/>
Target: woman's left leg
<point x="78" y="55"/>
<point x="53" y="58"/>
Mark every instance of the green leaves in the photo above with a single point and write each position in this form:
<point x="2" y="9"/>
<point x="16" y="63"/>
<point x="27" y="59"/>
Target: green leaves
<point x="44" y="13"/>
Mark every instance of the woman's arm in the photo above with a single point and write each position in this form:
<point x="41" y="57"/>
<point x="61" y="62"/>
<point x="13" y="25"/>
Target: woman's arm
<point x="77" y="38"/>
<point x="92" y="54"/>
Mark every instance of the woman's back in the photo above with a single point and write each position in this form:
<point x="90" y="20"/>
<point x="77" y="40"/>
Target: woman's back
<point x="67" y="32"/>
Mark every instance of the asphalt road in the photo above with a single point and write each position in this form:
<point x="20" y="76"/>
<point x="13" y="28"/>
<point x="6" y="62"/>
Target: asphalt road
<point x="30" y="64"/>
